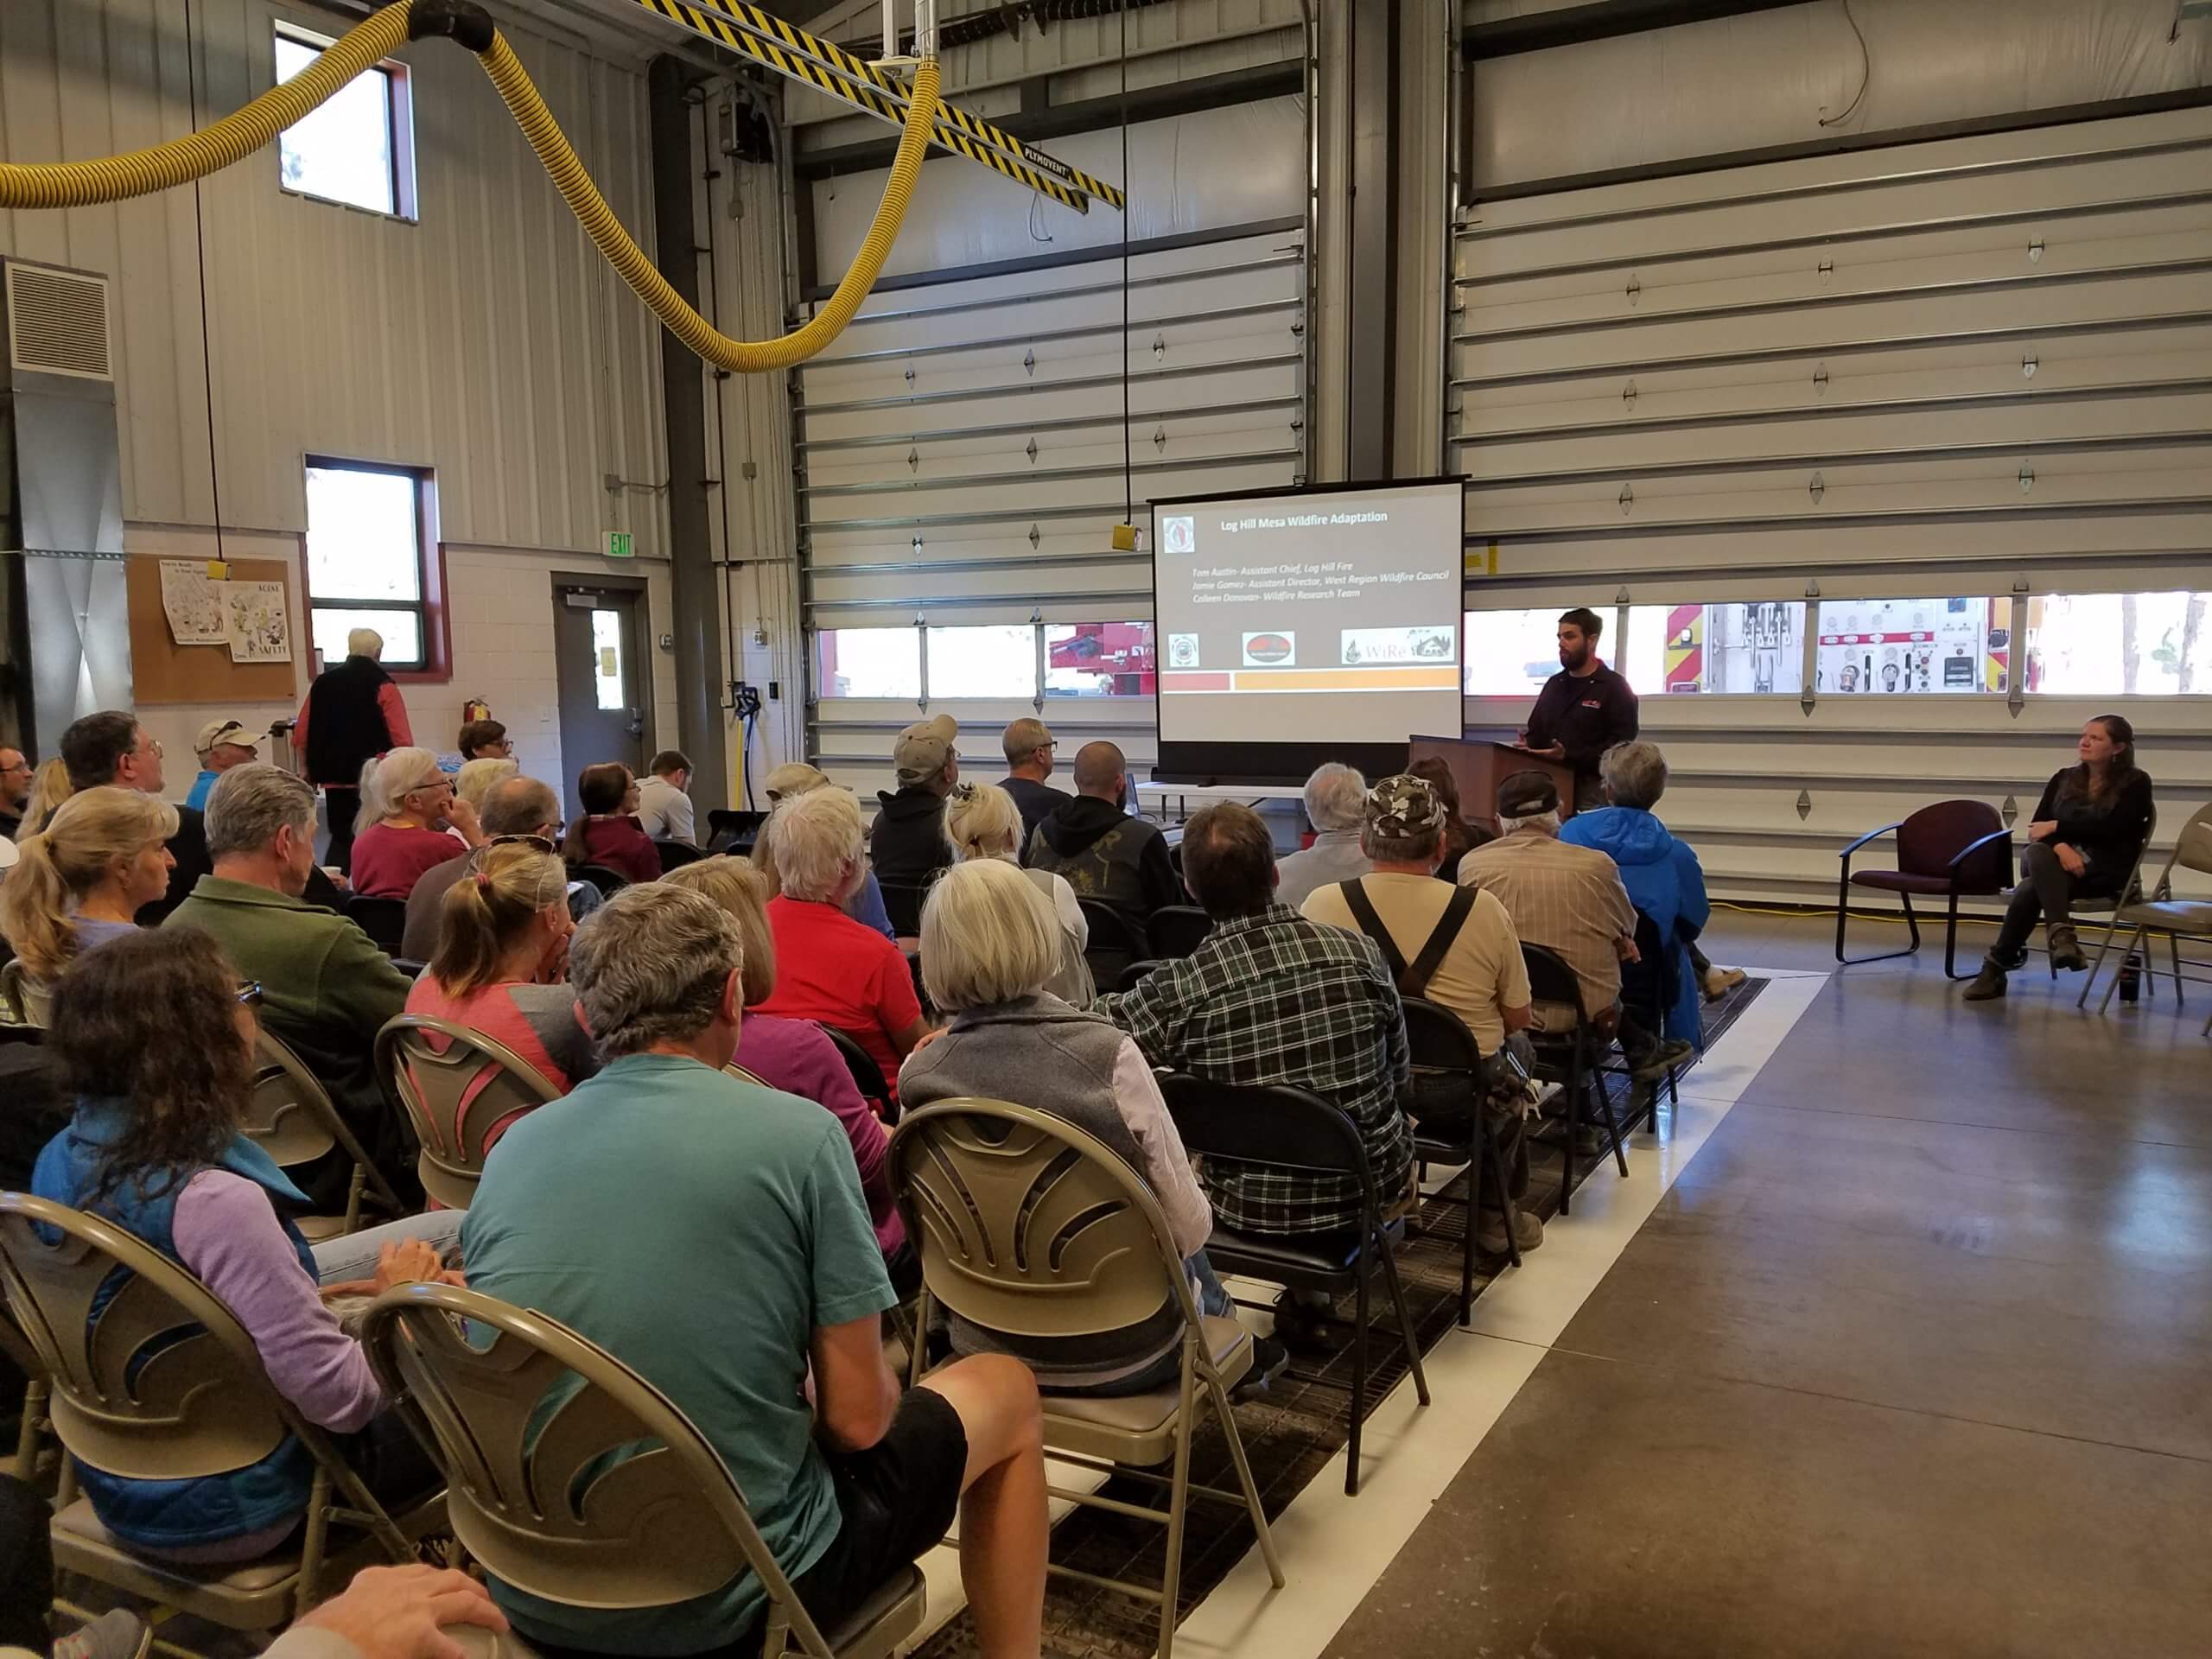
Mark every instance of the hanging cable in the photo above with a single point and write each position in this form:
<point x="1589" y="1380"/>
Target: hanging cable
<point x="199" y="253"/>
<point x="1128" y="470"/>
<point x="1865" y="73"/>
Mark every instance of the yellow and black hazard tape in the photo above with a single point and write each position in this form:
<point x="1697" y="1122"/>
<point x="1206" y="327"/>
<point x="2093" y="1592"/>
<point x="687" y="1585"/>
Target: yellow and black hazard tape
<point x="864" y="85"/>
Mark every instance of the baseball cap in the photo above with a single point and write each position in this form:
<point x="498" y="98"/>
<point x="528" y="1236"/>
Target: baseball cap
<point x="1404" y="806"/>
<point x="222" y="731"/>
<point x="793" y="777"/>
<point x="1525" y="794"/>
<point x="923" y="747"/>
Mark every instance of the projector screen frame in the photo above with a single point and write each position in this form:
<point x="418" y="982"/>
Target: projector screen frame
<point x="1235" y="763"/>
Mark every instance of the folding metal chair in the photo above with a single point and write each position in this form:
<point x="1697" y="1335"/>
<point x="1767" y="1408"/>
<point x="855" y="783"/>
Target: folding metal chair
<point x="385" y="920"/>
<point x="1448" y="1071"/>
<point x="294" y="1120"/>
<point x="674" y="855"/>
<point x="454" y="1095"/>
<point x="1565" y="1057"/>
<point x="1116" y="941"/>
<point x="1178" y="930"/>
<point x="1028" y="1226"/>
<point x="2162" y="912"/>
<point x="608" y="881"/>
<point x="1290" y="1129"/>
<point x="574" y="1480"/>
<point x="867" y="1076"/>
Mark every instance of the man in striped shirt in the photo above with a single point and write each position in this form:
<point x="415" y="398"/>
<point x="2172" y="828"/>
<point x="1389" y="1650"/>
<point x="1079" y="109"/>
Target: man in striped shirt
<point x="1272" y="998"/>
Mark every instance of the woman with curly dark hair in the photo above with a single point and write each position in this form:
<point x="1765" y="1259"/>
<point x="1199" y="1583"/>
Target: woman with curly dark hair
<point x="155" y="1039"/>
<point x="1460" y="838"/>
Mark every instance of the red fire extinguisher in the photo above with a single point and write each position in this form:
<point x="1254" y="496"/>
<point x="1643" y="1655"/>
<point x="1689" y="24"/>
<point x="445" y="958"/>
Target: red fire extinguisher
<point x="475" y="709"/>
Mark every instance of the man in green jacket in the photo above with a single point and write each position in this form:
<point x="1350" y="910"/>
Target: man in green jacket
<point x="326" y="988"/>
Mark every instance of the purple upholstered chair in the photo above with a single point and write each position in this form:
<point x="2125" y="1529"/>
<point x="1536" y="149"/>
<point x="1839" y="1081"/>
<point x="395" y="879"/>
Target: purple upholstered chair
<point x="1951" y="848"/>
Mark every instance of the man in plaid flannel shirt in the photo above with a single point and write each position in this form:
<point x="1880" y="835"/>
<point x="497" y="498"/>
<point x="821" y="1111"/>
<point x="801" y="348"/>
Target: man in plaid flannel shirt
<point x="1272" y="998"/>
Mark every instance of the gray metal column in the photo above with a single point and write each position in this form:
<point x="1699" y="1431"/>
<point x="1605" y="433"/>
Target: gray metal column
<point x="701" y="682"/>
<point x="1372" y="330"/>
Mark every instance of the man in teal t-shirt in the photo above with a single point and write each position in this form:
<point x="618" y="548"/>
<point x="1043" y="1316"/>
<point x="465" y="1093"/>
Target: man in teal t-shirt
<point x="710" y="1233"/>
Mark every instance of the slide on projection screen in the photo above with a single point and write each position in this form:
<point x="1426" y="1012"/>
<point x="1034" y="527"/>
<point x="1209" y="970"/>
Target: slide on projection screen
<point x="1301" y="626"/>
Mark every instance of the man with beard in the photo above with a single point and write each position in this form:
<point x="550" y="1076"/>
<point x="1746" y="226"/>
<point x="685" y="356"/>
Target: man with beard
<point x="1583" y="710"/>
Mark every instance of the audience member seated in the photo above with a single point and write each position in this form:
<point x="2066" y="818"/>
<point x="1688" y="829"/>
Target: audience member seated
<point x="503" y="946"/>
<point x="1272" y="998"/>
<point x="2084" y="837"/>
<point x="607" y="834"/>
<point x="221" y="745"/>
<point x="1103" y="852"/>
<point x="50" y="787"/>
<point x="981" y="821"/>
<point x="357" y="714"/>
<point x="326" y="988"/>
<point x="787" y="783"/>
<point x="711" y="1234"/>
<point x="515" y="808"/>
<point x="15" y="773"/>
<point x="1453" y="945"/>
<point x="479" y="777"/>
<point x="414" y="804"/>
<point x="794" y="1055"/>
<point x="1333" y="798"/>
<point x="1460" y="836"/>
<point x="157" y="1045"/>
<point x="1028" y="744"/>
<point x="1661" y="875"/>
<point x="484" y="739"/>
<point x="80" y="881"/>
<point x="831" y="968"/>
<point x="988" y="947"/>
<point x="663" y="802"/>
<point x="112" y="747"/>
<point x="906" y="844"/>
<point x="1569" y="899"/>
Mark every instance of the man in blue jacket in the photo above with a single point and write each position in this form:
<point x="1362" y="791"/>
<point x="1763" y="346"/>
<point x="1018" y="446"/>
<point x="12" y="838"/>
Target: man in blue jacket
<point x="1661" y="874"/>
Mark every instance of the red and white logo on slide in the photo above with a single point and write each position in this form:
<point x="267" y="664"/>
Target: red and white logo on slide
<point x="1178" y="533"/>
<point x="1269" y="649"/>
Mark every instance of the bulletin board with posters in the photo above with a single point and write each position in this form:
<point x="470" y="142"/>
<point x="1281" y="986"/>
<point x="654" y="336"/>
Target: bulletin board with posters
<point x="161" y="670"/>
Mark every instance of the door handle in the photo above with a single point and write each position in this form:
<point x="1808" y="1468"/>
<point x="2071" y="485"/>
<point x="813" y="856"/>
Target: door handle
<point x="637" y="723"/>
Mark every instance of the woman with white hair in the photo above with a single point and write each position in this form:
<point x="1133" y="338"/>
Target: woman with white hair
<point x="981" y="821"/>
<point x="830" y="967"/>
<point x="415" y="805"/>
<point x="989" y="943"/>
<point x="1663" y="878"/>
<point x="352" y="714"/>
<point x="479" y="776"/>
<point x="1335" y="801"/>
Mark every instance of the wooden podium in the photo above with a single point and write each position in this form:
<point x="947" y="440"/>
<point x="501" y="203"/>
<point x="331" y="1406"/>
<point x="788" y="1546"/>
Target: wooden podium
<point x="1479" y="767"/>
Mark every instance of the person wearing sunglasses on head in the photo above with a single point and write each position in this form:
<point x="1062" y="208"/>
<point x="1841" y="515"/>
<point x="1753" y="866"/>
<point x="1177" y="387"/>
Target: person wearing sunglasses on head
<point x="516" y="808"/>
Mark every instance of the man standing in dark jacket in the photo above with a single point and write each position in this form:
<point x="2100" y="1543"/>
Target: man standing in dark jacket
<point x="352" y="713"/>
<point x="1583" y="710"/>
<point x="1103" y="852"/>
<point x="907" y="844"/>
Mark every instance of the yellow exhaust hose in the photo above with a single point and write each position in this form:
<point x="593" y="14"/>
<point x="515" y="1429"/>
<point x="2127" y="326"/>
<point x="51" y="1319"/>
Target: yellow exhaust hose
<point x="162" y="167"/>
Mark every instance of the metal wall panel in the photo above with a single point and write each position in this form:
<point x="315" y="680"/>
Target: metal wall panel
<point x="1978" y="366"/>
<point x="487" y="340"/>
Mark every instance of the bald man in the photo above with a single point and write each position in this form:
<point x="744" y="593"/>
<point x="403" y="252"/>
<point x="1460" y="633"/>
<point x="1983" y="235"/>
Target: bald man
<point x="1105" y="853"/>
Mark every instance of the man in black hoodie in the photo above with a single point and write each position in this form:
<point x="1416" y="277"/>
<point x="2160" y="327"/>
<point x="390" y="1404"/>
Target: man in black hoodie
<point x="1103" y="852"/>
<point x="907" y="845"/>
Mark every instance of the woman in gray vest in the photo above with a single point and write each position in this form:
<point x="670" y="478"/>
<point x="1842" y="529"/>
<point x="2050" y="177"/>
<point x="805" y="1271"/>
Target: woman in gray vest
<point x="981" y="821"/>
<point x="989" y="945"/>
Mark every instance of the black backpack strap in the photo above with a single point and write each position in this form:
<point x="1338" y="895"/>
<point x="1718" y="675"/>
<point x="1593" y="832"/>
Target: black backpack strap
<point x="1414" y="981"/>
<point x="1362" y="912"/>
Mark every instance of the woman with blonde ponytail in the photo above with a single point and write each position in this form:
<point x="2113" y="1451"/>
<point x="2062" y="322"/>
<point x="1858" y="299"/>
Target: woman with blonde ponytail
<point x="78" y="881"/>
<point x="49" y="788"/>
<point x="503" y="950"/>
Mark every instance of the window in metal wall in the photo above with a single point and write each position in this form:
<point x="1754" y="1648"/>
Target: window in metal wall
<point x="1100" y="659"/>
<point x="868" y="663"/>
<point x="1912" y="646"/>
<point x="357" y="147"/>
<point x="1513" y="652"/>
<point x="994" y="660"/>
<point x="1750" y="649"/>
<point x="366" y="563"/>
<point x="2119" y="645"/>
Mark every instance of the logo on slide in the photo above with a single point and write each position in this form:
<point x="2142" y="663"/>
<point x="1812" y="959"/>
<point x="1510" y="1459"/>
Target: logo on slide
<point x="1182" y="651"/>
<point x="1417" y="645"/>
<point x="1269" y="649"/>
<point x="1178" y="533"/>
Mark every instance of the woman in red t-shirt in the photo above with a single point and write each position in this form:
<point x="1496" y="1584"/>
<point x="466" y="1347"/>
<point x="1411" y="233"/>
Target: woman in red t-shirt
<point x="608" y="833"/>
<point x="419" y="824"/>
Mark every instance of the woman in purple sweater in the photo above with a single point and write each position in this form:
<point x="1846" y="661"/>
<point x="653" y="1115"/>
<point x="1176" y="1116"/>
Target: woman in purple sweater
<point x="794" y="1055"/>
<point x="155" y="1041"/>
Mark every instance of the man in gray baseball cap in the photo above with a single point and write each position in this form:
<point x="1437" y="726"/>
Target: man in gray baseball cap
<point x="907" y="844"/>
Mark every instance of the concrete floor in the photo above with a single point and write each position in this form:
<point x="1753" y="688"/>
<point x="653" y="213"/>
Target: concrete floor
<point x="1911" y="1359"/>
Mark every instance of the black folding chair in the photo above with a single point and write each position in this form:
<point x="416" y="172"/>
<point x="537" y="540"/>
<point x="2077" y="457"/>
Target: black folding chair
<point x="1649" y="988"/>
<point x="1178" y="930"/>
<point x="674" y="855"/>
<point x="732" y="830"/>
<point x="609" y="882"/>
<point x="902" y="903"/>
<point x="1116" y="941"/>
<point x="1137" y="970"/>
<point x="385" y="920"/>
<point x="1290" y="1129"/>
<point x="867" y="1076"/>
<point x="1448" y="1121"/>
<point x="1569" y="1058"/>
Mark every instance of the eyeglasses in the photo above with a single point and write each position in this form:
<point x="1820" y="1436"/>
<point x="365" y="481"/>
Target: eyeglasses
<point x="543" y="843"/>
<point x="154" y="747"/>
<point x="250" y="993"/>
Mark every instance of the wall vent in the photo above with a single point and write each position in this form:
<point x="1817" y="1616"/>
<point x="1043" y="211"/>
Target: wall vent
<point x="57" y="322"/>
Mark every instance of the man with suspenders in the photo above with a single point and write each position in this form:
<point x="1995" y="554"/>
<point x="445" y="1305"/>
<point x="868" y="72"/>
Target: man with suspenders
<point x="1463" y="953"/>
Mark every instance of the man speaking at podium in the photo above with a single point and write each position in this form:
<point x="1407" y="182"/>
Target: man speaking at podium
<point x="1583" y="710"/>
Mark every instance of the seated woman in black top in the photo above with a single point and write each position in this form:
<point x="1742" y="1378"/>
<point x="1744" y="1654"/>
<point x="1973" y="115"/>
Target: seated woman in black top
<point x="2083" y="841"/>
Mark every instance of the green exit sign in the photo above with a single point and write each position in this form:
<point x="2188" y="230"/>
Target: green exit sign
<point x="619" y="545"/>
